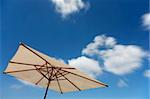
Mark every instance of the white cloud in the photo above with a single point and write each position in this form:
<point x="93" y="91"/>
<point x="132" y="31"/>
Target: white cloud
<point x="123" y="59"/>
<point x="61" y="60"/>
<point x="117" y="59"/>
<point x="27" y="83"/>
<point x="147" y="73"/>
<point x="121" y="83"/>
<point x="146" y="20"/>
<point x="19" y="86"/>
<point x="68" y="7"/>
<point x="87" y="65"/>
<point x="98" y="43"/>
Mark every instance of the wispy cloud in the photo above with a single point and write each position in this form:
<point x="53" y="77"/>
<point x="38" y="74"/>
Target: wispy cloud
<point x="27" y="83"/>
<point x="23" y="84"/>
<point x="16" y="86"/>
<point x="87" y="65"/>
<point x="68" y="7"/>
<point x="121" y="83"/>
<point x="117" y="58"/>
<point x="146" y="21"/>
<point x="147" y="73"/>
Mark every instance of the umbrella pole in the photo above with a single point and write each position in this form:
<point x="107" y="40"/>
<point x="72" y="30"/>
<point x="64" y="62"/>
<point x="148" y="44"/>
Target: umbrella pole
<point x="47" y="89"/>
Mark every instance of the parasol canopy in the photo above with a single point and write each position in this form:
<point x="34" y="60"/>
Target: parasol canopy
<point x="37" y="68"/>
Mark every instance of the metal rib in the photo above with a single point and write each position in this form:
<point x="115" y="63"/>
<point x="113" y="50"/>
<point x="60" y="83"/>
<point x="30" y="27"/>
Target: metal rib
<point x="40" y="65"/>
<point x="87" y="78"/>
<point x="19" y="71"/>
<point x="33" y="51"/>
<point x="71" y="82"/>
<point x="40" y="80"/>
<point x="58" y="82"/>
<point x="24" y="63"/>
<point x="41" y="73"/>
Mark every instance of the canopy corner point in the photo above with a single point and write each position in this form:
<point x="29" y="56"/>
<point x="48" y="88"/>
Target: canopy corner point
<point x="106" y="86"/>
<point x="21" y="43"/>
<point x="4" y="72"/>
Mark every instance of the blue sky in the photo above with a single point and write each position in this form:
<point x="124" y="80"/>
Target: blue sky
<point x="64" y="34"/>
